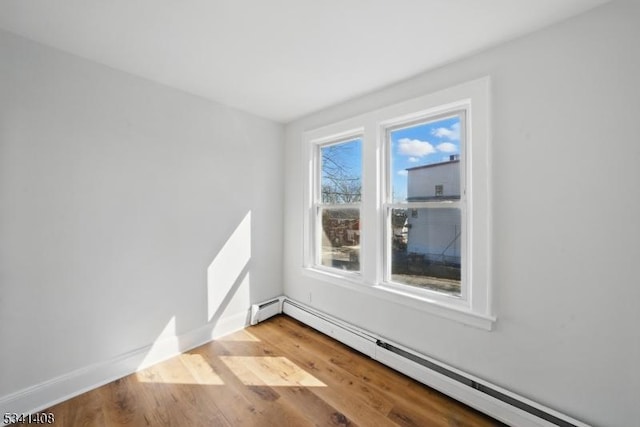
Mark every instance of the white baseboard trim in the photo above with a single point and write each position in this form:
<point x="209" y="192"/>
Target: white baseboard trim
<point x="55" y="390"/>
<point x="359" y="340"/>
<point x="377" y="348"/>
<point x="475" y="399"/>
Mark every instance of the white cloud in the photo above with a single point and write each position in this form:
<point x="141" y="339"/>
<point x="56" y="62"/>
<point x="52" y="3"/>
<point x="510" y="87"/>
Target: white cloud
<point x="413" y="159"/>
<point x="447" y="147"/>
<point x="403" y="172"/>
<point x="452" y="133"/>
<point x="415" y="147"/>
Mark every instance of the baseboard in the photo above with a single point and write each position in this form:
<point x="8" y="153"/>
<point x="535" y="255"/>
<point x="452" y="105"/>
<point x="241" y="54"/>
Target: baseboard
<point x="175" y="345"/>
<point x="480" y="401"/>
<point x="359" y="340"/>
<point x="55" y="390"/>
<point x="488" y="398"/>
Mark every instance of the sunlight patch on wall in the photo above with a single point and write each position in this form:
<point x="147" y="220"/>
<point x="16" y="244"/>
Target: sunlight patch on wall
<point x="227" y="275"/>
<point x="270" y="371"/>
<point x="165" y="343"/>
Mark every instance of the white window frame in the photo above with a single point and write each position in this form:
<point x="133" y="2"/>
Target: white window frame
<point x="313" y="248"/>
<point x="460" y="110"/>
<point x="474" y="306"/>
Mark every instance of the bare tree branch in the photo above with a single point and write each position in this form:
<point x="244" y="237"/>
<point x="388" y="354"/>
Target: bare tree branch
<point x="339" y="185"/>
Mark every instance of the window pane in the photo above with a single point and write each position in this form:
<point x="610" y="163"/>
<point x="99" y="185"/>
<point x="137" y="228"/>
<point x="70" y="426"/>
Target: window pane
<point x="425" y="161"/>
<point x="340" y="244"/>
<point x="426" y="248"/>
<point x="341" y="166"/>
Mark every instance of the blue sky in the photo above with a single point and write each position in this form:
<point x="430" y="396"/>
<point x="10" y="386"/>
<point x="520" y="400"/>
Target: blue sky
<point x="422" y="144"/>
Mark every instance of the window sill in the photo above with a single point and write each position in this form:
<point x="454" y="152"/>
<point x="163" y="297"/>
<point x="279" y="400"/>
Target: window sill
<point x="455" y="312"/>
<point x="355" y="282"/>
<point x="334" y="276"/>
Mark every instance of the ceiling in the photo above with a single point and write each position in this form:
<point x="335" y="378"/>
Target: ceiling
<point x="280" y="59"/>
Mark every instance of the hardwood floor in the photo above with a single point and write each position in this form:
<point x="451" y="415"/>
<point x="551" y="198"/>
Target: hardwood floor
<point x="278" y="373"/>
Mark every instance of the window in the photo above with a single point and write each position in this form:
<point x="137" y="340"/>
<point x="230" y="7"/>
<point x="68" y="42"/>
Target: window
<point x="338" y="192"/>
<point x="425" y="249"/>
<point x="397" y="203"/>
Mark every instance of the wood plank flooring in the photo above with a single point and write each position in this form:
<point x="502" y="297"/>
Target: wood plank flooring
<point x="278" y="373"/>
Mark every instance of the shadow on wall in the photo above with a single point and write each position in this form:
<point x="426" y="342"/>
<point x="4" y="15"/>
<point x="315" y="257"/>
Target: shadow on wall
<point x="228" y="292"/>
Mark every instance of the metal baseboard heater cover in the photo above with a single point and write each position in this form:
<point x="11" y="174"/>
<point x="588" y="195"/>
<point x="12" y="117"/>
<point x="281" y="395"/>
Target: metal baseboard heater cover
<point x="263" y="311"/>
<point x="501" y="404"/>
<point x="478" y="386"/>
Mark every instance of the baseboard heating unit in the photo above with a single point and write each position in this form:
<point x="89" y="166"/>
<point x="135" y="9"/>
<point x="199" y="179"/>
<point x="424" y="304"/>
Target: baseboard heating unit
<point x="260" y="312"/>
<point x="490" y="399"/>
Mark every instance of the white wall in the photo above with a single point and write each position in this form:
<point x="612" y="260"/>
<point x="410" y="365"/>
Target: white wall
<point x="565" y="106"/>
<point x="422" y="181"/>
<point x="117" y="195"/>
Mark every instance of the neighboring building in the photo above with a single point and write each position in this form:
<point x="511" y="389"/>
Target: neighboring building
<point x="435" y="232"/>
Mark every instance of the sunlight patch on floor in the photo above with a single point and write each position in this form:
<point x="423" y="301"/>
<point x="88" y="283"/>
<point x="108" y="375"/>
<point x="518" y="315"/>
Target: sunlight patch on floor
<point x="241" y="335"/>
<point x="185" y="369"/>
<point x="270" y="371"/>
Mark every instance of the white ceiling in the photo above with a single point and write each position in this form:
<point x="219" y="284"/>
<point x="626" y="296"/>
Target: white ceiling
<point x="279" y="59"/>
